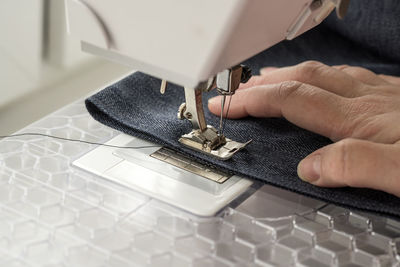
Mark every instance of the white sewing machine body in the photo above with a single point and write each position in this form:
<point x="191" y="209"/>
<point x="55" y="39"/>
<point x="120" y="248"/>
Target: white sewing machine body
<point x="187" y="41"/>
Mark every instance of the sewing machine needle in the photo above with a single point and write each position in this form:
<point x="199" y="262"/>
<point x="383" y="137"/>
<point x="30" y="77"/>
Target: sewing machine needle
<point x="222" y="114"/>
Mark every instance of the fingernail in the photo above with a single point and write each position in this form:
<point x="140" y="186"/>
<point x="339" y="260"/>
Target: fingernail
<point x="214" y="100"/>
<point x="309" y="169"/>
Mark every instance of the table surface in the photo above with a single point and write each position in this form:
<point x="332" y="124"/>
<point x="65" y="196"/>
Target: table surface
<point x="53" y="214"/>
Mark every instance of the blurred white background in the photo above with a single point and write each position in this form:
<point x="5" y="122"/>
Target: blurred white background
<point x="41" y="66"/>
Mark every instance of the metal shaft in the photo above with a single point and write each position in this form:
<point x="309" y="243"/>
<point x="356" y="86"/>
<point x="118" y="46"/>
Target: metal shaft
<point x="221" y="119"/>
<point x="194" y="108"/>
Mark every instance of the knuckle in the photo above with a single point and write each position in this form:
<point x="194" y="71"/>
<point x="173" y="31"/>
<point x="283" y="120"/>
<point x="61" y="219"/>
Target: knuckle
<point x="286" y="88"/>
<point x="344" y="124"/>
<point x="358" y="72"/>
<point x="342" y="169"/>
<point x="356" y="112"/>
<point x="343" y="67"/>
<point x="311" y="64"/>
<point x="360" y="117"/>
<point x="309" y="69"/>
<point x="345" y="127"/>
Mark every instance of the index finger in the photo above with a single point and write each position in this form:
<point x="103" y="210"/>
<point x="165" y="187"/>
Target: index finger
<point x="313" y="73"/>
<point x="305" y="105"/>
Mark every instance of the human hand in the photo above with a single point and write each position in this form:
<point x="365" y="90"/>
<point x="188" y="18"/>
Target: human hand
<point x="354" y="107"/>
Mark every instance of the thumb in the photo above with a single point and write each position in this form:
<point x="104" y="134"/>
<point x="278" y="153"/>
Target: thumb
<point x="354" y="163"/>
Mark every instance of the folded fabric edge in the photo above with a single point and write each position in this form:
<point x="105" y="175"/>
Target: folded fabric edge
<point x="104" y="118"/>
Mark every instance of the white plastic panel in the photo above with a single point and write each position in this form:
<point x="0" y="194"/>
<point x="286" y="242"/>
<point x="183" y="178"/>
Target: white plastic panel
<point x="137" y="170"/>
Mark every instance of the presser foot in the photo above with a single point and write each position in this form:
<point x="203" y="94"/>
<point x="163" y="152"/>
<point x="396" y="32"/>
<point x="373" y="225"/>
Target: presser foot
<point x="211" y="143"/>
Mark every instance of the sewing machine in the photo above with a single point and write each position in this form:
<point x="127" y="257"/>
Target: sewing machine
<point x="195" y="44"/>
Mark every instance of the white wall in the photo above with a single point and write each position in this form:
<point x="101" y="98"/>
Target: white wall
<point x="21" y="42"/>
<point x="41" y="67"/>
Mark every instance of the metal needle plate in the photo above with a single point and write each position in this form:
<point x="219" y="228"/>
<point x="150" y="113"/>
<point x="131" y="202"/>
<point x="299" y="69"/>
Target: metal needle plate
<point x="179" y="160"/>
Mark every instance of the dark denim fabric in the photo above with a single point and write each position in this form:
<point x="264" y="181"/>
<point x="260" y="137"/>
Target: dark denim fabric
<point x="135" y="106"/>
<point x="372" y="24"/>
